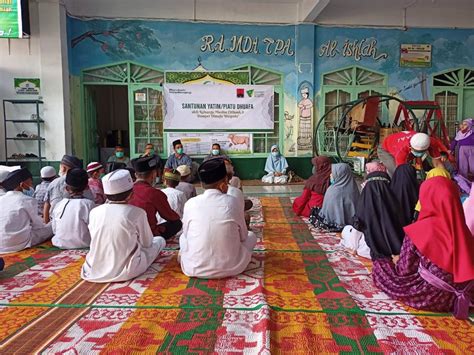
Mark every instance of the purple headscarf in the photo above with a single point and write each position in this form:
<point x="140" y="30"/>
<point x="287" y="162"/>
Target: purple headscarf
<point x="460" y="135"/>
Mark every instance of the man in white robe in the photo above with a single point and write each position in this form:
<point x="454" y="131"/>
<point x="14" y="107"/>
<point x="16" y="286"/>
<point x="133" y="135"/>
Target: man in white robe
<point x="215" y="242"/>
<point x="20" y="225"/>
<point x="122" y="244"/>
<point x="188" y="188"/>
<point x="176" y="198"/>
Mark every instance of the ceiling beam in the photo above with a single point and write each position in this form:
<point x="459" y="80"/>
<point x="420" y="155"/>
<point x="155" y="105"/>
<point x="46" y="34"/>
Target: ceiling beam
<point x="309" y="10"/>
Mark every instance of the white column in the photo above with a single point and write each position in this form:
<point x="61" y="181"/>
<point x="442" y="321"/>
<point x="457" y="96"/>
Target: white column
<point x="54" y="79"/>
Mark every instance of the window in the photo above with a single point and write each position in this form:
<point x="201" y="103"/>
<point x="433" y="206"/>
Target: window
<point x="331" y="100"/>
<point x="448" y="102"/>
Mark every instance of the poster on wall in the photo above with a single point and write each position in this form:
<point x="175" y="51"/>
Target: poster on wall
<point x="415" y="55"/>
<point x="201" y="143"/>
<point x="27" y="86"/>
<point x="218" y="107"/>
<point x="10" y="19"/>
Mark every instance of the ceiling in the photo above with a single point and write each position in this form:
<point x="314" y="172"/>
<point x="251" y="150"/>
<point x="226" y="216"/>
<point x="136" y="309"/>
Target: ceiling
<point x="391" y="13"/>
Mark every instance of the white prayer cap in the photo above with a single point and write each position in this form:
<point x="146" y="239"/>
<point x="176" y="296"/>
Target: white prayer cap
<point x="47" y="172"/>
<point x="117" y="181"/>
<point x="184" y="170"/>
<point x="420" y="141"/>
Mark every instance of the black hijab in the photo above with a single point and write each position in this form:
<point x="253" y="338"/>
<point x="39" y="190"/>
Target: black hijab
<point x="378" y="217"/>
<point x="405" y="186"/>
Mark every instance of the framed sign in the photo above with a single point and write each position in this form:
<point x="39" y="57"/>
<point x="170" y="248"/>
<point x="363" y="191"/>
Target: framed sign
<point x="415" y="55"/>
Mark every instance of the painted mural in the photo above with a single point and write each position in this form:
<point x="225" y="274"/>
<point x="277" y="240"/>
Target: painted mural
<point x="313" y="68"/>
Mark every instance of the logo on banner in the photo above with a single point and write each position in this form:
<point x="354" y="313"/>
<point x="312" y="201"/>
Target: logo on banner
<point x="240" y="92"/>
<point x="250" y="93"/>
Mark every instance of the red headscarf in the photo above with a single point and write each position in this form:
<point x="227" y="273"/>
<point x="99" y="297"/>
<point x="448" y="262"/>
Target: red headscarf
<point x="441" y="233"/>
<point x="319" y="182"/>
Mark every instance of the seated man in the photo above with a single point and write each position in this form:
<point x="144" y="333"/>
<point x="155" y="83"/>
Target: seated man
<point x="150" y="152"/>
<point x="185" y="185"/>
<point x="122" y="244"/>
<point x="118" y="157"/>
<point x="20" y="225"/>
<point x="215" y="242"/>
<point x="180" y="158"/>
<point x="152" y="200"/>
<point x="176" y="198"/>
<point x="71" y="215"/>
<point x="216" y="153"/>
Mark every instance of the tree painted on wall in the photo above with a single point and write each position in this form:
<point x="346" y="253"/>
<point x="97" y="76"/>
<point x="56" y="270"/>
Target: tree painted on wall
<point x="121" y="39"/>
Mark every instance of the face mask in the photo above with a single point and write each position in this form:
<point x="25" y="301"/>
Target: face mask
<point x="274" y="154"/>
<point x="180" y="150"/>
<point x="157" y="180"/>
<point x="29" y="192"/>
<point x="418" y="154"/>
<point x="151" y="152"/>
<point x="119" y="154"/>
<point x="215" y="152"/>
<point x="101" y="175"/>
<point x="331" y="181"/>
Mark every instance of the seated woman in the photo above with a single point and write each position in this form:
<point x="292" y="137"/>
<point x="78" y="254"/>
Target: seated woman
<point x="275" y="167"/>
<point x="372" y="167"/>
<point x="435" y="271"/>
<point x="339" y="201"/>
<point x="379" y="216"/>
<point x="315" y="187"/>
<point x="406" y="187"/>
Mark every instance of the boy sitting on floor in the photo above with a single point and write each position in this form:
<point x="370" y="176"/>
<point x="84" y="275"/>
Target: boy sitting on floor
<point x="20" y="225"/>
<point x="184" y="185"/>
<point x="71" y="215"/>
<point x="48" y="174"/>
<point x="215" y="242"/>
<point x="122" y="244"/>
<point x="176" y="198"/>
<point x="152" y="200"/>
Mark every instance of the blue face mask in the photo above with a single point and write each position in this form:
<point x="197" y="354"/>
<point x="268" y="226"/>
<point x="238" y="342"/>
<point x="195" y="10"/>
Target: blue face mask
<point x="180" y="151"/>
<point x="417" y="154"/>
<point x="331" y="181"/>
<point x="30" y="192"/>
<point x="119" y="154"/>
<point x="275" y="154"/>
<point x="215" y="152"/>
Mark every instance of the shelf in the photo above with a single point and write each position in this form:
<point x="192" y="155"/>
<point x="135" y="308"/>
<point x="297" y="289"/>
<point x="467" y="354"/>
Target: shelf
<point x="24" y="139"/>
<point x="25" y="159"/>
<point x="144" y="121"/>
<point x="19" y="102"/>
<point x="25" y="121"/>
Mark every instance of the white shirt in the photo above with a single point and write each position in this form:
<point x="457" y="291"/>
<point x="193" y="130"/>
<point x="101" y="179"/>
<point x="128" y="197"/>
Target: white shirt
<point x="238" y="194"/>
<point x="18" y="217"/>
<point x="213" y="234"/>
<point x="122" y="244"/>
<point x="188" y="189"/>
<point x="70" y="220"/>
<point x="176" y="200"/>
<point x="2" y="191"/>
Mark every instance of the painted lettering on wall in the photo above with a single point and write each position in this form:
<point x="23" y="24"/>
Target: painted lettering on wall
<point x="247" y="44"/>
<point x="358" y="49"/>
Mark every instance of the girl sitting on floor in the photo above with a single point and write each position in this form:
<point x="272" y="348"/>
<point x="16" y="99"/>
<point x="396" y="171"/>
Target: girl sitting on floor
<point x="275" y="167"/>
<point x="405" y="187"/>
<point x="339" y="202"/>
<point x="435" y="271"/>
<point x="314" y="188"/>
<point x="372" y="167"/>
<point x="378" y="216"/>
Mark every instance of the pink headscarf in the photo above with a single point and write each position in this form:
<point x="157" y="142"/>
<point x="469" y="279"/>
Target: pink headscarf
<point x="460" y="135"/>
<point x="375" y="166"/>
<point x="468" y="207"/>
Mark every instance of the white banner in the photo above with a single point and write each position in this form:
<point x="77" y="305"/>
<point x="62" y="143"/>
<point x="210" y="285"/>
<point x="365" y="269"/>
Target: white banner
<point x="218" y="107"/>
<point x="201" y="143"/>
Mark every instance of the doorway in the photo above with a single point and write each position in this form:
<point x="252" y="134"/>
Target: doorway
<point x="107" y="114"/>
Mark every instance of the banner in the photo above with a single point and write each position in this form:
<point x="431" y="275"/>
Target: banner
<point x="415" y="55"/>
<point x="10" y="19"/>
<point x="218" y="107"/>
<point x="27" y="86"/>
<point x="201" y="143"/>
